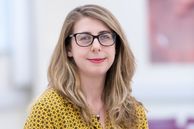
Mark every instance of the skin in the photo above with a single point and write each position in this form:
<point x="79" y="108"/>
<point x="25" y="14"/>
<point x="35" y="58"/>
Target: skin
<point x="93" y="63"/>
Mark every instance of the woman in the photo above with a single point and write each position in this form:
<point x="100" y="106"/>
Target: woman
<point x="89" y="77"/>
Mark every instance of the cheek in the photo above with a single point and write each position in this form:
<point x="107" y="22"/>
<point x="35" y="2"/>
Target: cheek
<point x="113" y="53"/>
<point x="75" y="50"/>
<point x="113" y="58"/>
<point x="78" y="53"/>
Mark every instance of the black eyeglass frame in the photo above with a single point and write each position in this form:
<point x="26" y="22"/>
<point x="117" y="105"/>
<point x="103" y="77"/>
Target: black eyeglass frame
<point x="114" y="35"/>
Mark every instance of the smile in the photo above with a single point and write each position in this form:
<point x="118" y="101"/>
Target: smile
<point x="97" y="60"/>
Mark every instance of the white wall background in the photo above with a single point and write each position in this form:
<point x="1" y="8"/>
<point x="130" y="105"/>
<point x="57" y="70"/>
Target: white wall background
<point x="165" y="90"/>
<point x="50" y="16"/>
<point x="162" y="88"/>
<point x="151" y="82"/>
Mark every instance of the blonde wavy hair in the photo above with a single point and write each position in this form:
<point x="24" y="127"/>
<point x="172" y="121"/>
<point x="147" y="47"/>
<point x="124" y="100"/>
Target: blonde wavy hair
<point x="63" y="76"/>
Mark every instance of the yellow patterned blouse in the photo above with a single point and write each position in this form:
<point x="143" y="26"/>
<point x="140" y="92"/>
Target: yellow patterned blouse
<point x="52" y="111"/>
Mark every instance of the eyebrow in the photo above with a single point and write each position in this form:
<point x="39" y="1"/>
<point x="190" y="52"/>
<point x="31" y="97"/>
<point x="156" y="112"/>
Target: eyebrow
<point x="105" y="31"/>
<point x="101" y="32"/>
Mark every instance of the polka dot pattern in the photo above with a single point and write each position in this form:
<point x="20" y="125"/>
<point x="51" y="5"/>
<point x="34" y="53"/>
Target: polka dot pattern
<point x="142" y="120"/>
<point x="52" y="111"/>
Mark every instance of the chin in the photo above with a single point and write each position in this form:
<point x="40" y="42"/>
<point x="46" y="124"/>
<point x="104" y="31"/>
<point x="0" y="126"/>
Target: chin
<point x="97" y="73"/>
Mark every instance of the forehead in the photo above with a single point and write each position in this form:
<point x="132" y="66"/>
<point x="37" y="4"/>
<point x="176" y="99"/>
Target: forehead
<point x="87" y="24"/>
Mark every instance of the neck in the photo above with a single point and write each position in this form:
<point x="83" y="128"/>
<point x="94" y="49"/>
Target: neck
<point x="92" y="88"/>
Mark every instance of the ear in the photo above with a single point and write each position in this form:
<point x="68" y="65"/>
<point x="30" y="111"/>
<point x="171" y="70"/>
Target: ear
<point x="69" y="54"/>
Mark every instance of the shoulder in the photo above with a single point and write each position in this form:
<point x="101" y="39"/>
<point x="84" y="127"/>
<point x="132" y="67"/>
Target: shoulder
<point x="49" y="97"/>
<point x="44" y="108"/>
<point x="140" y="110"/>
<point x="141" y="115"/>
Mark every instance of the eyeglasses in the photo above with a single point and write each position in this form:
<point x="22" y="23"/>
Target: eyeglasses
<point x="86" y="39"/>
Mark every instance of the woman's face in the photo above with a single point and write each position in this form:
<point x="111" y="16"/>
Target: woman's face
<point x="93" y="60"/>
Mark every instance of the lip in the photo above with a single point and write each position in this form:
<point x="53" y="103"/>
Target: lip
<point x="97" y="60"/>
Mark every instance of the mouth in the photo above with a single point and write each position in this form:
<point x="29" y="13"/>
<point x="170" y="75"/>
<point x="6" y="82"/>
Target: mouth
<point x="97" y="60"/>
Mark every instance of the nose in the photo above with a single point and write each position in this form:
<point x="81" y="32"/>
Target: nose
<point x="95" y="47"/>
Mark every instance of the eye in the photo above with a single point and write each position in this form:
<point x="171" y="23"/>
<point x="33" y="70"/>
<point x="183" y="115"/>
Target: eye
<point x="105" y="36"/>
<point x="84" y="37"/>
